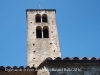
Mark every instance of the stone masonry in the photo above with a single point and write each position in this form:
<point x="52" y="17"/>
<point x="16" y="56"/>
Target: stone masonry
<point x="38" y="49"/>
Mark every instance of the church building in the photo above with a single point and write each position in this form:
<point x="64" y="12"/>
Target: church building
<point x="43" y="50"/>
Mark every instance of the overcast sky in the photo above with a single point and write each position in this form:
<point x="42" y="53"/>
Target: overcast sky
<point x="78" y="23"/>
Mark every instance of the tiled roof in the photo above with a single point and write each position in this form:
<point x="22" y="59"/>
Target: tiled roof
<point x="58" y="60"/>
<point x="73" y="60"/>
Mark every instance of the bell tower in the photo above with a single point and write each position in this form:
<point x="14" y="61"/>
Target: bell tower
<point x="42" y="36"/>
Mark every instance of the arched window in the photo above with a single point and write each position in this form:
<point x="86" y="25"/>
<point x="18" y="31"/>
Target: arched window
<point x="38" y="18"/>
<point x="44" y="18"/>
<point x="45" y="32"/>
<point x="38" y="32"/>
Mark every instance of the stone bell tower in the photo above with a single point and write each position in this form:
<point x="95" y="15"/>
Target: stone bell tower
<point x="42" y="36"/>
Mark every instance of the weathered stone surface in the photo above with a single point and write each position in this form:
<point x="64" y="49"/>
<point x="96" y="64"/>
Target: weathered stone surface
<point x="43" y="47"/>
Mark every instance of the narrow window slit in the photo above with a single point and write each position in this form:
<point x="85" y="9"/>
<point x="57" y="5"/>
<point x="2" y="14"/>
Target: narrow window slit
<point x="33" y="51"/>
<point x="51" y="31"/>
<point x="50" y="43"/>
<point x="33" y="44"/>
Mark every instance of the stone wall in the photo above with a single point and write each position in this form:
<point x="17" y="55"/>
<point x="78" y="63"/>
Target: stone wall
<point x="43" y="47"/>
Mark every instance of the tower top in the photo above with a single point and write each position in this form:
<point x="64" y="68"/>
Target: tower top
<point x="41" y="10"/>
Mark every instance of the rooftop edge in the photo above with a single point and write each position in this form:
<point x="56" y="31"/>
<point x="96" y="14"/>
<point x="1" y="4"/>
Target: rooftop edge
<point x="41" y="10"/>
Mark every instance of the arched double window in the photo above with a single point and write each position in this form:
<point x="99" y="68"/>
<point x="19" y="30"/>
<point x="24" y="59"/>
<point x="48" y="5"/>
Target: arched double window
<point x="45" y="32"/>
<point x="44" y="18"/>
<point x="42" y="33"/>
<point x="38" y="18"/>
<point x="38" y="32"/>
